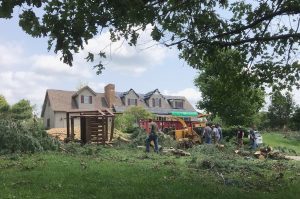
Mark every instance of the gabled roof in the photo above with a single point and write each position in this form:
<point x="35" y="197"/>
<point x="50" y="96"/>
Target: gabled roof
<point x="148" y="95"/>
<point x="64" y="100"/>
<point x="126" y="93"/>
<point x="83" y="88"/>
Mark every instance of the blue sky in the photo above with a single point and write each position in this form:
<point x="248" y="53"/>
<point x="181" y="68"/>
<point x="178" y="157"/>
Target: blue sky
<point x="27" y="69"/>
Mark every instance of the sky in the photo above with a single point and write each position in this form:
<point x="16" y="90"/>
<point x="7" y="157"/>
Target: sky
<point x="28" y="69"/>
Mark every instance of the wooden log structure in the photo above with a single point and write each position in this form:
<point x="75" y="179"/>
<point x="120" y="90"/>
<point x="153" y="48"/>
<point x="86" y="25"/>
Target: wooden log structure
<point x="95" y="125"/>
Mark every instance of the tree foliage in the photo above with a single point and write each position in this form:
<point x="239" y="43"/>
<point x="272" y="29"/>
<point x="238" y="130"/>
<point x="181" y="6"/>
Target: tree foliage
<point x="131" y="117"/>
<point x="266" y="32"/>
<point x="28" y="136"/>
<point x="295" y="119"/>
<point x="22" y="110"/>
<point x="281" y="109"/>
<point x="227" y="92"/>
<point x="4" y="106"/>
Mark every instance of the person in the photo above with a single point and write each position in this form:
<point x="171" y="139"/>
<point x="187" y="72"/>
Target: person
<point x="207" y="134"/>
<point x="239" y="137"/>
<point x="220" y="131"/>
<point x="253" y="143"/>
<point x="152" y="136"/>
<point x="216" y="134"/>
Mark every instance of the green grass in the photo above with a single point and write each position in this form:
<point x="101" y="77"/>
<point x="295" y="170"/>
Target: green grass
<point x="129" y="173"/>
<point x="278" y="140"/>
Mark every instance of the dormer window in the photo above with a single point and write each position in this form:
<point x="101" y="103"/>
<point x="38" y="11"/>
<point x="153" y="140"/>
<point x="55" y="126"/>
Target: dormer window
<point x="86" y="99"/>
<point x="156" y="102"/>
<point x="178" y="104"/>
<point x="132" y="102"/>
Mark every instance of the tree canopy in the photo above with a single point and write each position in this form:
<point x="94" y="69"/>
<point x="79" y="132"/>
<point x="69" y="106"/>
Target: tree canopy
<point x="4" y="106"/>
<point x="281" y="109"/>
<point x="266" y="32"/>
<point x="131" y="117"/>
<point x="227" y="93"/>
<point x="295" y="120"/>
<point x="22" y="110"/>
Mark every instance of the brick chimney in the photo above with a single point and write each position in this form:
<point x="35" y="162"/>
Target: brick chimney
<point x="109" y="93"/>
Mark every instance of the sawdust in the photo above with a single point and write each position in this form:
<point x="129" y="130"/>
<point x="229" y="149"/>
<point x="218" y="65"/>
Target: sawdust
<point x="61" y="133"/>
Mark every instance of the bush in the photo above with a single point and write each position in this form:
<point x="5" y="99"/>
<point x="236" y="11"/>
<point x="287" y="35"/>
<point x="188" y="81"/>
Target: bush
<point x="24" y="137"/>
<point x="230" y="132"/>
<point x="139" y="137"/>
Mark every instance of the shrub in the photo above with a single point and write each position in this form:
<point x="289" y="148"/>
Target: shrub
<point x="230" y="132"/>
<point x="24" y="137"/>
<point x="139" y="138"/>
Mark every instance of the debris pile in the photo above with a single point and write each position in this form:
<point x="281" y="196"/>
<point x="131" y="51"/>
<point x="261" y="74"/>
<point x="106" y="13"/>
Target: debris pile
<point x="176" y="152"/>
<point x="268" y="152"/>
<point x="263" y="153"/>
<point x="61" y="133"/>
<point x="120" y="136"/>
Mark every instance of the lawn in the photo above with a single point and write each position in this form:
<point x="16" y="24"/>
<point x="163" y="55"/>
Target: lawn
<point x="283" y="142"/>
<point x="98" y="172"/>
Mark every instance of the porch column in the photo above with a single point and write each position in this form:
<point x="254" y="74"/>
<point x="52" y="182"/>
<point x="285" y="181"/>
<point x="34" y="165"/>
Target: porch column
<point x="72" y="128"/>
<point x="68" y="125"/>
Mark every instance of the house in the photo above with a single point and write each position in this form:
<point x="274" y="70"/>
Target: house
<point x="58" y="102"/>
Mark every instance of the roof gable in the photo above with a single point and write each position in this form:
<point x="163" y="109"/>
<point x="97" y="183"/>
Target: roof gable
<point x="82" y="89"/>
<point x="148" y="95"/>
<point x="129" y="91"/>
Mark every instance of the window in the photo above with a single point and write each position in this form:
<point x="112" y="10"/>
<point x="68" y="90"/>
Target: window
<point x="86" y="99"/>
<point x="132" y="102"/>
<point x="156" y="102"/>
<point x="178" y="104"/>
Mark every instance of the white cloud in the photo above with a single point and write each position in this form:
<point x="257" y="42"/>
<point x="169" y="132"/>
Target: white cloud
<point x="23" y="85"/>
<point x="98" y="87"/>
<point x="10" y="54"/>
<point x="124" y="58"/>
<point x="51" y="65"/>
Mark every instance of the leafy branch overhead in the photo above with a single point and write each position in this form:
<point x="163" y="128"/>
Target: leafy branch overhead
<point x="266" y="32"/>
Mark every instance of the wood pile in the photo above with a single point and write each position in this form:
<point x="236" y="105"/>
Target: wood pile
<point x="176" y="152"/>
<point x="268" y="152"/>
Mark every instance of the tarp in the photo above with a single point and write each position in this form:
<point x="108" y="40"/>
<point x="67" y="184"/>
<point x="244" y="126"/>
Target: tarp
<point x="184" y="114"/>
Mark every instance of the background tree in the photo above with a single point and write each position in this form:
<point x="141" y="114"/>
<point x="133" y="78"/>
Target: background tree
<point x="266" y="32"/>
<point x="131" y="117"/>
<point x="227" y="92"/>
<point x="22" y="110"/>
<point x="295" y="119"/>
<point x="4" y="106"/>
<point x="281" y="109"/>
<point x="261" y="120"/>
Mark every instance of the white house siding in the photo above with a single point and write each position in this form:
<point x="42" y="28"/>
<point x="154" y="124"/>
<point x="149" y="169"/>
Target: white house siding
<point x="61" y="121"/>
<point x="48" y="114"/>
<point x="131" y="95"/>
<point x="85" y="92"/>
<point x="164" y="103"/>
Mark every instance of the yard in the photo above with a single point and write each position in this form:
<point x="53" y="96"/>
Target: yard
<point x="127" y="172"/>
<point x="285" y="142"/>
